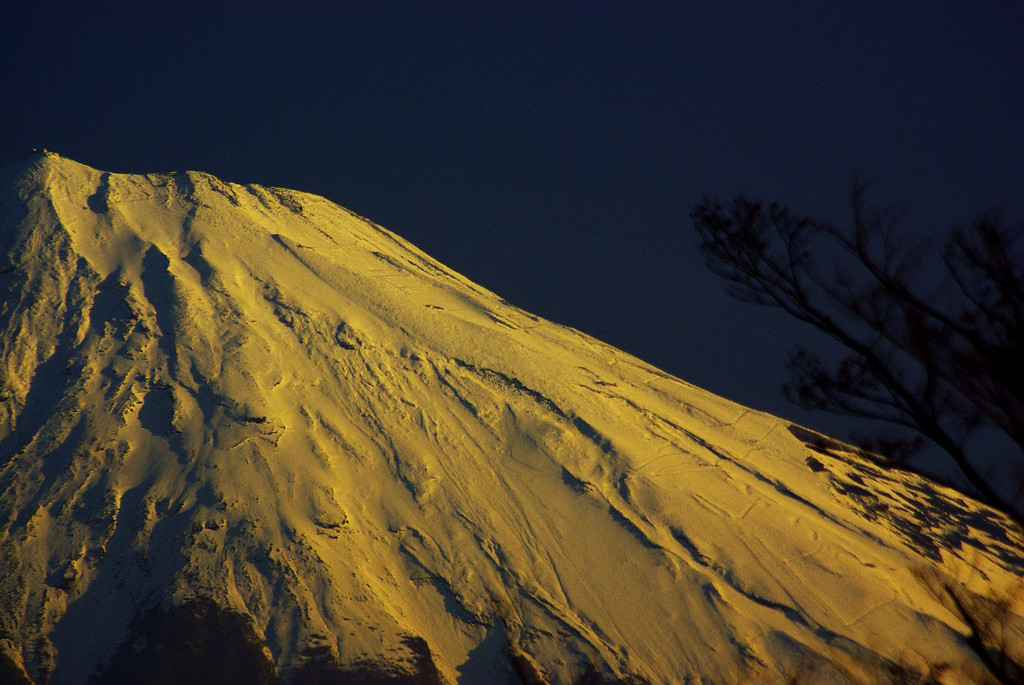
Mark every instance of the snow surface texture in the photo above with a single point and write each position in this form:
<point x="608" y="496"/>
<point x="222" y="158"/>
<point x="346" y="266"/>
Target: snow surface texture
<point x="244" y="426"/>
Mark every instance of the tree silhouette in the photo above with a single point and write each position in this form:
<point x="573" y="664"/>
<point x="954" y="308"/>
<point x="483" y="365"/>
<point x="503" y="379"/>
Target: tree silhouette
<point x="937" y="351"/>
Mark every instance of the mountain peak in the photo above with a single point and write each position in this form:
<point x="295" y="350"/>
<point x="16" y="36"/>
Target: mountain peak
<point x="243" y="426"/>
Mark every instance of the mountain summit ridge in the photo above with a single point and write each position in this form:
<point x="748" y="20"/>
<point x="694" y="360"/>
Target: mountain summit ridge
<point x="251" y="416"/>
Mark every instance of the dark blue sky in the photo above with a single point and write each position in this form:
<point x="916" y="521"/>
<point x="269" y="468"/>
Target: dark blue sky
<point x="549" y="151"/>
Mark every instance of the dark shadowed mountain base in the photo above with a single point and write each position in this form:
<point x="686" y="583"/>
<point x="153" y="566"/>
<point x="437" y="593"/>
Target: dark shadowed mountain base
<point x="324" y="672"/>
<point x="200" y="643"/>
<point x="197" y="642"/>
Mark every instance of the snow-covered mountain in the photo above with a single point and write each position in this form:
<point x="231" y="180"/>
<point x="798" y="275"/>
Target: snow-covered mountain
<point x="249" y="436"/>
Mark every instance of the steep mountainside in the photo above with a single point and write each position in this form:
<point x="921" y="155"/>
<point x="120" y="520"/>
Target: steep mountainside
<point x="248" y="436"/>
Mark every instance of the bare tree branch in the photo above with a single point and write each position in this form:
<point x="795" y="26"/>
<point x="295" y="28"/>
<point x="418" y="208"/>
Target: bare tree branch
<point x="942" y="359"/>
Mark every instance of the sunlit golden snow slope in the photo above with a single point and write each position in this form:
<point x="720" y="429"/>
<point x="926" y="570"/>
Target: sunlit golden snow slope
<point x="250" y="404"/>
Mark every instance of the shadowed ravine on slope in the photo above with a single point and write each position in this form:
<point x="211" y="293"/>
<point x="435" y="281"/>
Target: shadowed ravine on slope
<point x="248" y="436"/>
